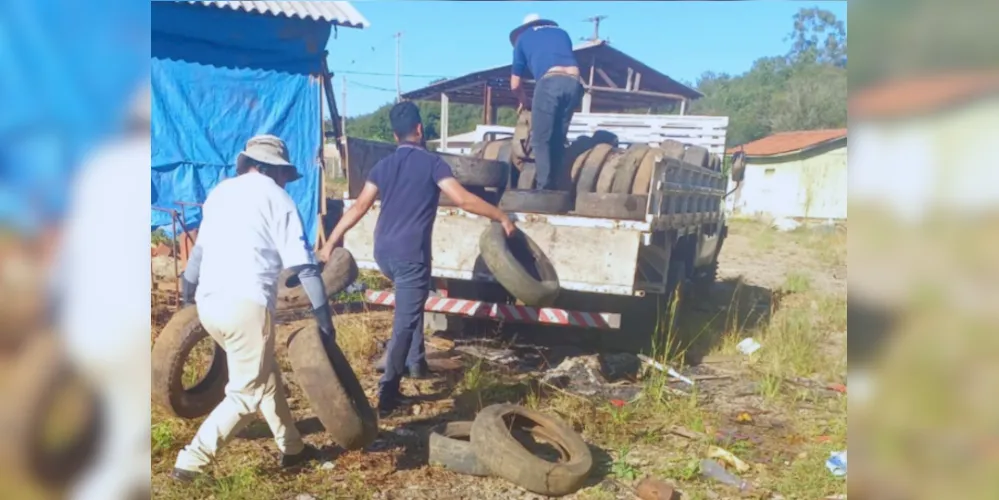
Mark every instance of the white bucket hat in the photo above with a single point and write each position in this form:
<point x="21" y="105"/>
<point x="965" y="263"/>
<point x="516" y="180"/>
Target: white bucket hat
<point x="266" y="149"/>
<point x="530" y="20"/>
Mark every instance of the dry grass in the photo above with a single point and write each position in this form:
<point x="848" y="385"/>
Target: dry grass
<point x="792" y="427"/>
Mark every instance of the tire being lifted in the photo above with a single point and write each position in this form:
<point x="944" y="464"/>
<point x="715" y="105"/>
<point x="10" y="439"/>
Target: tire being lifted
<point x="338" y="274"/>
<point x="170" y="352"/>
<point x="504" y="456"/>
<point x="332" y="389"/>
<point x="504" y="256"/>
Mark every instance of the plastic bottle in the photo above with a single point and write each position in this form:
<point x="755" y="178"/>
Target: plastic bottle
<point x="711" y="469"/>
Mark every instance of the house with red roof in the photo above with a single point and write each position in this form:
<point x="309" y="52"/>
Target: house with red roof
<point x="798" y="174"/>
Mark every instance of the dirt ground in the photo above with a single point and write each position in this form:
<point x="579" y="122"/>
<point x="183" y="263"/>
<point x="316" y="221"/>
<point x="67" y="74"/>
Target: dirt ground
<point x="773" y="409"/>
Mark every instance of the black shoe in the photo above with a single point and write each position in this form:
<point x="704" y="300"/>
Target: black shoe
<point x="420" y="371"/>
<point x="390" y="402"/>
<point x="308" y="453"/>
<point x="183" y="475"/>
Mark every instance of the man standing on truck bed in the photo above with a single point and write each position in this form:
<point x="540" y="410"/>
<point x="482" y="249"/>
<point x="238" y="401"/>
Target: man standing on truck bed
<point x="410" y="182"/>
<point x="544" y="49"/>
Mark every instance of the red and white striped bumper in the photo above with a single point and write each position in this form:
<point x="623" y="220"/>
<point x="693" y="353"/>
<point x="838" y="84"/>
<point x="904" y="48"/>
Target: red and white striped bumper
<point x="505" y="312"/>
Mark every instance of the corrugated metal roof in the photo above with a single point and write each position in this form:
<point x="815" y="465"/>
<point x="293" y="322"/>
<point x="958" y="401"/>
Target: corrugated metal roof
<point x="789" y="142"/>
<point x="339" y="13"/>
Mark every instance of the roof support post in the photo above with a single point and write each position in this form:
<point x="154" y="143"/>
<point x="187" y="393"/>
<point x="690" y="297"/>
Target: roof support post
<point x="587" y="101"/>
<point x="488" y="104"/>
<point x="444" y="120"/>
<point x="683" y="107"/>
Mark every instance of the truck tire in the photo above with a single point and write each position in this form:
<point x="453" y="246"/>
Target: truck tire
<point x="527" y="177"/>
<point x="509" y="258"/>
<point x="469" y="171"/>
<point x="490" y="197"/>
<point x="575" y="155"/>
<point x="339" y="273"/>
<point x="42" y="375"/>
<point x="505" y="457"/>
<point x="643" y="178"/>
<point x="608" y="172"/>
<point x="170" y="352"/>
<point x="451" y="448"/>
<point x="332" y="389"/>
<point x="605" y="137"/>
<point x="585" y="178"/>
<point x="479" y="150"/>
<point x="611" y="205"/>
<point x="536" y="201"/>
<point x="624" y="178"/>
<point x="696" y="155"/>
<point x="522" y="150"/>
<point x="673" y="149"/>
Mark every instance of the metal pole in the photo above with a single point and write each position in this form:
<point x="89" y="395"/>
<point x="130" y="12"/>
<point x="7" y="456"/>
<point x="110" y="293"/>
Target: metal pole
<point x="398" y="65"/>
<point x="176" y="270"/>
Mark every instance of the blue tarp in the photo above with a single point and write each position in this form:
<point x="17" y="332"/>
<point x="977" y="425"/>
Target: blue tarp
<point x="219" y="77"/>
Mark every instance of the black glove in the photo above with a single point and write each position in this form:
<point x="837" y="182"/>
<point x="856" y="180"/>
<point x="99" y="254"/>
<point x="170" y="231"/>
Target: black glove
<point x="324" y="319"/>
<point x="187" y="290"/>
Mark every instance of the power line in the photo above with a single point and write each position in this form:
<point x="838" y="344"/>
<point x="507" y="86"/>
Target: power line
<point x="375" y="73"/>
<point x="372" y="87"/>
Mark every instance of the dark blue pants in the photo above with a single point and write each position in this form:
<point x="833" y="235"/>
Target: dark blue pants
<point x="555" y="100"/>
<point x="405" y="348"/>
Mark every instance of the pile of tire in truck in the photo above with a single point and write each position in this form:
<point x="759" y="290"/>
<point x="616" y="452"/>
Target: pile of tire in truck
<point x="601" y="178"/>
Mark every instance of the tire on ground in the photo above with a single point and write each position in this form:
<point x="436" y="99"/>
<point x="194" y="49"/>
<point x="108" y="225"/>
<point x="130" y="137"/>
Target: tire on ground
<point x="536" y="201"/>
<point x="170" y="352"/>
<point x="696" y="155"/>
<point x="332" y="389"/>
<point x="624" y="178"/>
<point x="611" y="205"/>
<point x="338" y="274"/>
<point x="506" y="457"/>
<point x="451" y="448"/>
<point x="504" y="256"/>
<point x="42" y="376"/>
<point x="478" y="172"/>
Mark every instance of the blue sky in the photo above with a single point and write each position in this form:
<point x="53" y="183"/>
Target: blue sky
<point x="449" y="39"/>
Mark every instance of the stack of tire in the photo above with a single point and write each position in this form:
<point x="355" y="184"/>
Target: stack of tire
<point x="323" y="372"/>
<point x="601" y="178"/>
<point x="487" y="446"/>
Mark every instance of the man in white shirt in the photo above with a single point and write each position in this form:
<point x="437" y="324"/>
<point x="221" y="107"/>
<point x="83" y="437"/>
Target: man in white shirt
<point x="250" y="232"/>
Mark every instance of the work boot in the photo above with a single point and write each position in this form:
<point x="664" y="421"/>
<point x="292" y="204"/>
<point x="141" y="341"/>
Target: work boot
<point x="307" y="454"/>
<point x="184" y="475"/>
<point x="390" y="399"/>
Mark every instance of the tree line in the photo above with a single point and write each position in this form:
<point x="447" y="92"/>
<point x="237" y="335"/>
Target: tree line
<point x="803" y="89"/>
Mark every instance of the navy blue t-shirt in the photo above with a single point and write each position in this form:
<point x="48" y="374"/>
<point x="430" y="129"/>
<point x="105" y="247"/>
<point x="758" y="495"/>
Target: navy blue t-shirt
<point x="541" y="48"/>
<point x="407" y="182"/>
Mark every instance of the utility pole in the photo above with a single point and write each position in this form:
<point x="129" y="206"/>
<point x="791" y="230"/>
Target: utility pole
<point x="398" y="62"/>
<point x="596" y="26"/>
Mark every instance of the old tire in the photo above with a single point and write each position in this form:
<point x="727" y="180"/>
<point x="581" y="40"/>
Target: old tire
<point x="611" y="205"/>
<point x="339" y="273"/>
<point x="332" y="389"/>
<point x="536" y="201"/>
<point x="478" y="172"/>
<point x="170" y="352"/>
<point x="696" y="155"/>
<point x="521" y="149"/>
<point x="504" y="256"/>
<point x="527" y="177"/>
<point x="490" y="197"/>
<point x="589" y="172"/>
<point x="42" y="374"/>
<point x="605" y="137"/>
<point x="673" y="149"/>
<point x="450" y="447"/>
<point x="505" y="457"/>
<point x="624" y="178"/>
<point x="643" y="178"/>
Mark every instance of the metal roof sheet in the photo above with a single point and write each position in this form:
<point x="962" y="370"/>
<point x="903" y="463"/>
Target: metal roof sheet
<point x="339" y="13"/>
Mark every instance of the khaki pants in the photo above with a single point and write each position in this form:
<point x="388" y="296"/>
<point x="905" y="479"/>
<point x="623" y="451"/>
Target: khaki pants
<point x="245" y="331"/>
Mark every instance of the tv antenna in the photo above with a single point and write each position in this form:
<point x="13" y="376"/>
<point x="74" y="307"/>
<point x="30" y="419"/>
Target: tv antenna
<point x="596" y="27"/>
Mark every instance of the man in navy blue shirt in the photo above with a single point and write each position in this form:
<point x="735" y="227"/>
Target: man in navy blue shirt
<point x="545" y="50"/>
<point x="410" y="182"/>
